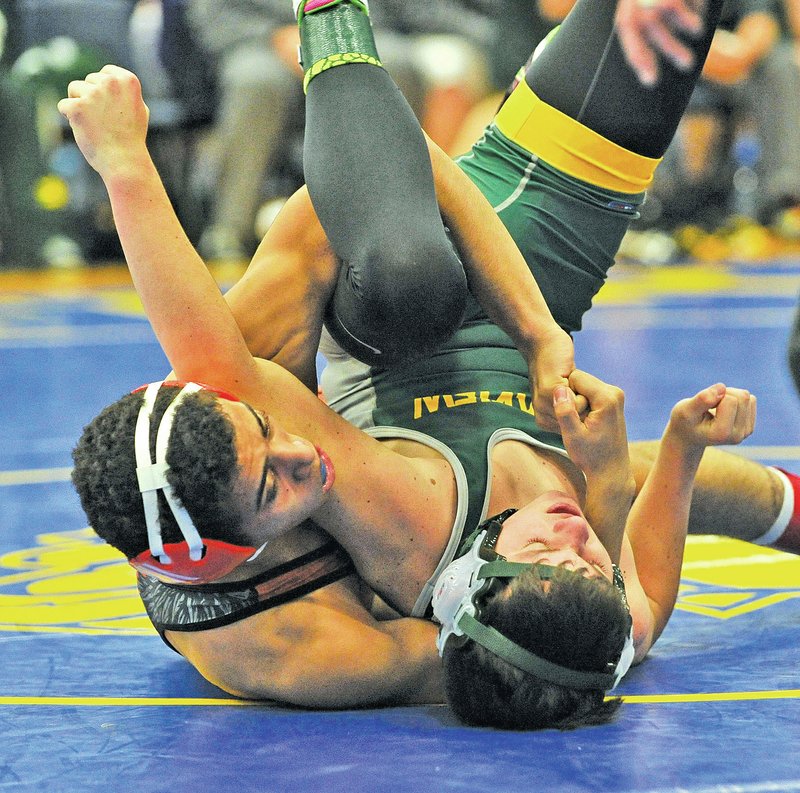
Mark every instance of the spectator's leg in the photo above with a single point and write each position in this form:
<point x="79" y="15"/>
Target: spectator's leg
<point x="774" y="92"/>
<point x="254" y="102"/>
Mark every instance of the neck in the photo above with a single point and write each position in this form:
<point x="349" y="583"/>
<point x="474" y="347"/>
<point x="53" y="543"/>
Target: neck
<point x="520" y="473"/>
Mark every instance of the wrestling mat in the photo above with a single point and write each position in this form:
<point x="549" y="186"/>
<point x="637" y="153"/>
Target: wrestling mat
<point x="91" y="700"/>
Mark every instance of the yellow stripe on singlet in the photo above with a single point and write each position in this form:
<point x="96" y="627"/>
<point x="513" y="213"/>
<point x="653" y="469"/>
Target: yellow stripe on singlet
<point x="571" y="147"/>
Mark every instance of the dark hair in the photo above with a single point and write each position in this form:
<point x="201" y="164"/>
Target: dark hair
<point x="576" y="622"/>
<point x="203" y="462"/>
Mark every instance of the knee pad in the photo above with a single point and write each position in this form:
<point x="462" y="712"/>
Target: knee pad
<point x="389" y="308"/>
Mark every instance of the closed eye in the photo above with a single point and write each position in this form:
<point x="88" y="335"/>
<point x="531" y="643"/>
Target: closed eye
<point x="263" y="424"/>
<point x="536" y="541"/>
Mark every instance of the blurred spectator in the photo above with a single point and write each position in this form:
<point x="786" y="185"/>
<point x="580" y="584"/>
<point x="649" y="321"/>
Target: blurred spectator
<point x="36" y="220"/>
<point x="440" y="56"/>
<point x="255" y="90"/>
<point x="435" y="52"/>
<point x="741" y="134"/>
<point x="786" y="219"/>
<point x="518" y="26"/>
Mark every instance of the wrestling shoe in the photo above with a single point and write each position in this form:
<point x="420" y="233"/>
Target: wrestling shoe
<point x="340" y="37"/>
<point x="303" y="7"/>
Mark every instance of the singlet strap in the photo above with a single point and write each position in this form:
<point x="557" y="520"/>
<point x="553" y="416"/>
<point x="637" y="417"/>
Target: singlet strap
<point x="173" y="607"/>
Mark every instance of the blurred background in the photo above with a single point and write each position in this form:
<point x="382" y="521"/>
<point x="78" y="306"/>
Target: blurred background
<point x="224" y="91"/>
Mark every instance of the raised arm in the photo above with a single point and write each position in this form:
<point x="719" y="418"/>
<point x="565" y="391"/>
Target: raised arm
<point x="183" y="302"/>
<point x="659" y="517"/>
<point x="501" y="281"/>
<point x="280" y="301"/>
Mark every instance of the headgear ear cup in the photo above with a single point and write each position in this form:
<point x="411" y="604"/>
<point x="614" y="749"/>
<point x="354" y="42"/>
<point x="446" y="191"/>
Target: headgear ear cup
<point x="456" y="605"/>
<point x="196" y="560"/>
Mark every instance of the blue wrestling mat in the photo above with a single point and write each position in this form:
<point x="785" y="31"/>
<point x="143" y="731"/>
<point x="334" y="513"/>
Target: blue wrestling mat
<point x="91" y="700"/>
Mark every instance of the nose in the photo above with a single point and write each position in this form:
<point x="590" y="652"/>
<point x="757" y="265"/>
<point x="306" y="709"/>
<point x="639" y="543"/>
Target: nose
<point x="291" y="453"/>
<point x="571" y="531"/>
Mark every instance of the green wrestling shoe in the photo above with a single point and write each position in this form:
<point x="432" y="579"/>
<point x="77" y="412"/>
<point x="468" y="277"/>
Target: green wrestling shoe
<point x="339" y="37"/>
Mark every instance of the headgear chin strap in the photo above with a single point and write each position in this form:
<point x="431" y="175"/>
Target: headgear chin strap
<point x="456" y="599"/>
<point x="197" y="560"/>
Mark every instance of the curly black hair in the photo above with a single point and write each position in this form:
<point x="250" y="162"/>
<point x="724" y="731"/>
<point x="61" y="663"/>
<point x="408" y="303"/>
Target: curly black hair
<point x="203" y="462"/>
<point x="580" y="623"/>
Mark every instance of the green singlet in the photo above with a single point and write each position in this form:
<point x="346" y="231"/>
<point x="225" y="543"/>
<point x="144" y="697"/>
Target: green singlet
<point x="475" y="391"/>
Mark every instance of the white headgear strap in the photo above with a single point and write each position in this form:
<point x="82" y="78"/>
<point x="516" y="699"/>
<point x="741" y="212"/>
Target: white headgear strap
<point x="461" y="584"/>
<point x="152" y="475"/>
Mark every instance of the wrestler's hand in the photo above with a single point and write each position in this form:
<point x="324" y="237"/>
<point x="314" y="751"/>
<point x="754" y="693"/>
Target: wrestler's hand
<point x="108" y="118"/>
<point x="598" y="444"/>
<point x="551" y="364"/>
<point x="648" y="29"/>
<point x="717" y="415"/>
<point x="598" y="441"/>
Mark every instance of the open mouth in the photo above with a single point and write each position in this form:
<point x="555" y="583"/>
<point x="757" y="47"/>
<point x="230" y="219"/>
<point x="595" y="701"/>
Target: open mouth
<point x="565" y="508"/>
<point x="326" y="470"/>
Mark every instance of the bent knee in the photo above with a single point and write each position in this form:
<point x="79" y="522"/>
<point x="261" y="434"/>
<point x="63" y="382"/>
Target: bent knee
<point x="398" y="303"/>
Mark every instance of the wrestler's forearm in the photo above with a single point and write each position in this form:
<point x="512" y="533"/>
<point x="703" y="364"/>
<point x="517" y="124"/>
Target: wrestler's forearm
<point x="657" y="525"/>
<point x="183" y="302"/>
<point x="320" y="656"/>
<point x="608" y="504"/>
<point x="197" y="332"/>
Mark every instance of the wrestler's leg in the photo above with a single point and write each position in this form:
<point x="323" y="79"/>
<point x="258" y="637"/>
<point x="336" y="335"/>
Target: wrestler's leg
<point x="573" y="149"/>
<point x="733" y="496"/>
<point x="736" y="497"/>
<point x="582" y="72"/>
<point x="402" y="288"/>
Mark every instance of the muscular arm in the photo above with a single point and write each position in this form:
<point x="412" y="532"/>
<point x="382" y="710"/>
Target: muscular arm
<point x="190" y="318"/>
<point x="381" y="507"/>
<point x="280" y="300"/>
<point x="598" y="444"/>
<point x="501" y="281"/>
<point x="657" y="535"/>
<point x="657" y="524"/>
<point x="323" y="651"/>
<point x="279" y="303"/>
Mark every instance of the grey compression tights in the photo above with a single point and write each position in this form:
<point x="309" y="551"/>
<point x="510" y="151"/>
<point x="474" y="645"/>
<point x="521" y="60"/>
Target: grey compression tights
<point x="402" y="288"/>
<point x="583" y="73"/>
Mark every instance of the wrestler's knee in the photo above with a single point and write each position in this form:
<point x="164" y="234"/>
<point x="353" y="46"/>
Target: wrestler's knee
<point x="398" y="303"/>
